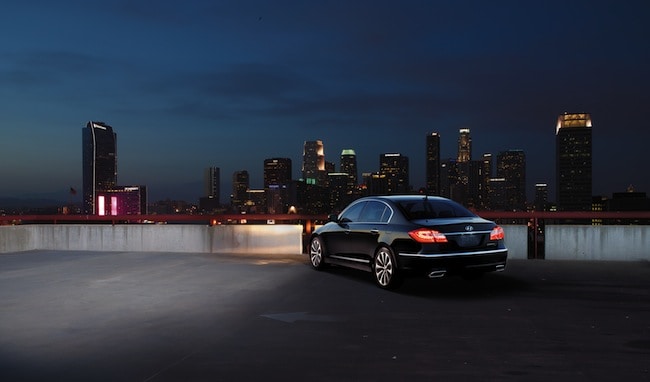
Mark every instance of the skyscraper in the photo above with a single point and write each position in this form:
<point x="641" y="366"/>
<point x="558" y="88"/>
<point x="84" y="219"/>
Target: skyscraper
<point x="240" y="186"/>
<point x="339" y="186"/>
<point x="497" y="200"/>
<point x="484" y="181"/>
<point x="210" y="201"/>
<point x="396" y="169"/>
<point x="511" y="166"/>
<point x="349" y="165"/>
<point x="541" y="196"/>
<point x="464" y="146"/>
<point x="277" y="171"/>
<point x="433" y="164"/>
<point x="277" y="179"/>
<point x="464" y="174"/>
<point x="313" y="162"/>
<point x="573" y="151"/>
<point x="99" y="166"/>
<point x="211" y="182"/>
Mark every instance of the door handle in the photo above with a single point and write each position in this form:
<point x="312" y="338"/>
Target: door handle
<point x="374" y="231"/>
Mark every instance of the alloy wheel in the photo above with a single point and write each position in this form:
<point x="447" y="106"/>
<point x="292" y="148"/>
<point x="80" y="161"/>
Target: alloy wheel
<point x="316" y="253"/>
<point x="384" y="267"/>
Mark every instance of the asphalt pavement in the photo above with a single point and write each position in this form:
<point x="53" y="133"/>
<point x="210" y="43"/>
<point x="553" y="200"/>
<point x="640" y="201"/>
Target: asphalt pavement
<point x="127" y="316"/>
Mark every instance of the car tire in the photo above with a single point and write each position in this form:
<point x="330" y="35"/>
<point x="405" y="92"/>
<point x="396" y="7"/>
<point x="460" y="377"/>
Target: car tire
<point x="317" y="253"/>
<point x="384" y="269"/>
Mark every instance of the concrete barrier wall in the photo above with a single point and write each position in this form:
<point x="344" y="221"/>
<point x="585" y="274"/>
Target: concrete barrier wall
<point x="261" y="239"/>
<point x="606" y="242"/>
<point x="16" y="239"/>
<point x="516" y="241"/>
<point x="565" y="242"/>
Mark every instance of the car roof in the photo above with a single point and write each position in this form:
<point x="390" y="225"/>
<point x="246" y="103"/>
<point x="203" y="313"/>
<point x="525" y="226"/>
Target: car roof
<point x="400" y="198"/>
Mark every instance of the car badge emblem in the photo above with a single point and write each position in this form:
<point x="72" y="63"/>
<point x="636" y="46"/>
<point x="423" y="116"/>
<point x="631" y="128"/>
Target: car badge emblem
<point x="469" y="228"/>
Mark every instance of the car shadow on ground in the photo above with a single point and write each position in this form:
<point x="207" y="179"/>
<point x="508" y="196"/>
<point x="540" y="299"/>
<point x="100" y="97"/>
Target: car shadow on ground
<point x="456" y="287"/>
<point x="452" y="287"/>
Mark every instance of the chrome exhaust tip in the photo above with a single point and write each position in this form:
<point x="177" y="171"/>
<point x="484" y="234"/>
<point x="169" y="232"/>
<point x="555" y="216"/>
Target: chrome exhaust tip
<point x="437" y="274"/>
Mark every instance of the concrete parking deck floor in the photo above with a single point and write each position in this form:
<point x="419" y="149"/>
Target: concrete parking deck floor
<point x="92" y="316"/>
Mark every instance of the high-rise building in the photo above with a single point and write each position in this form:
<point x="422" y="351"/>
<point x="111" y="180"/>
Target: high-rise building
<point x="376" y="183"/>
<point x="461" y="178"/>
<point x="541" y="197"/>
<point x="211" y="182"/>
<point x="277" y="171"/>
<point x="446" y="176"/>
<point x="349" y="165"/>
<point x="433" y="164"/>
<point x="573" y="150"/>
<point x="240" y="186"/>
<point x="313" y="196"/>
<point x="464" y="146"/>
<point x="511" y="166"/>
<point x="497" y="195"/>
<point x="210" y="201"/>
<point x="256" y="202"/>
<point x="99" y="167"/>
<point x="313" y="162"/>
<point x="484" y="184"/>
<point x="396" y="169"/>
<point x="339" y="184"/>
<point x="277" y="182"/>
<point x="122" y="200"/>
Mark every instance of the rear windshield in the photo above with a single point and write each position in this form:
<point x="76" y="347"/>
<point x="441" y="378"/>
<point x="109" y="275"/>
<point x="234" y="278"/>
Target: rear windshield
<point x="433" y="209"/>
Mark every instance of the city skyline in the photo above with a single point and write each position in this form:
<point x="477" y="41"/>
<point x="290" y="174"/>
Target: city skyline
<point x="190" y="86"/>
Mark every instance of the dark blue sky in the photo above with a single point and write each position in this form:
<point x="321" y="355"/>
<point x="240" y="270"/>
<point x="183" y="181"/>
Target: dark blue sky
<point x="187" y="85"/>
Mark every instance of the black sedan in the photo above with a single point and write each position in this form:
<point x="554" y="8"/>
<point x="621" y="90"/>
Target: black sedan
<point x="392" y="236"/>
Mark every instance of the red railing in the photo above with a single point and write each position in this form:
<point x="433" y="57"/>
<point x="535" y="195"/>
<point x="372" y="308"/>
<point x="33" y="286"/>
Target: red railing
<point x="180" y="218"/>
<point x="566" y="215"/>
<point x="290" y="218"/>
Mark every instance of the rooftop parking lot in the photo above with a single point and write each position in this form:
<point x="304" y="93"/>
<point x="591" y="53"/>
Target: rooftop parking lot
<point x="143" y="316"/>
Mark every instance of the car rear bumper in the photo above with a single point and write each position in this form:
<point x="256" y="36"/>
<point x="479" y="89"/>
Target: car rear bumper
<point x="440" y="264"/>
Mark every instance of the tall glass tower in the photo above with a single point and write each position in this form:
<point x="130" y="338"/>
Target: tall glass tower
<point x="573" y="162"/>
<point x="277" y="171"/>
<point x="240" y="186"/>
<point x="464" y="146"/>
<point x="395" y="167"/>
<point x="433" y="164"/>
<point x="99" y="167"/>
<point x="211" y="182"/>
<point x="349" y="165"/>
<point x="511" y="166"/>
<point x="211" y="199"/>
<point x="313" y="162"/>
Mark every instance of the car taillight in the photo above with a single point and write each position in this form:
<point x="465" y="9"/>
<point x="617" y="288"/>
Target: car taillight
<point x="425" y="235"/>
<point x="497" y="233"/>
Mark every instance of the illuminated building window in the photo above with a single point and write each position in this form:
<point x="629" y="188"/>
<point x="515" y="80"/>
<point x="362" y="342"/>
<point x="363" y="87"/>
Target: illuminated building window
<point x="101" y="209"/>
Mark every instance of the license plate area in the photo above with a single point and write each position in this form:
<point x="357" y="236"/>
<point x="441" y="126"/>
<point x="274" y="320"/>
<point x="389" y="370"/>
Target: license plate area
<point x="469" y="240"/>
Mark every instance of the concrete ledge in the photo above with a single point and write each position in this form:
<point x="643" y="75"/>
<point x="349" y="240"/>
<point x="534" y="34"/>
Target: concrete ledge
<point x="261" y="239"/>
<point x="606" y="242"/>
<point x="516" y="241"/>
<point x="562" y="242"/>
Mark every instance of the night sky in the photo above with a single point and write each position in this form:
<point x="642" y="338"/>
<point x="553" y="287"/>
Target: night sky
<point x="192" y="84"/>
